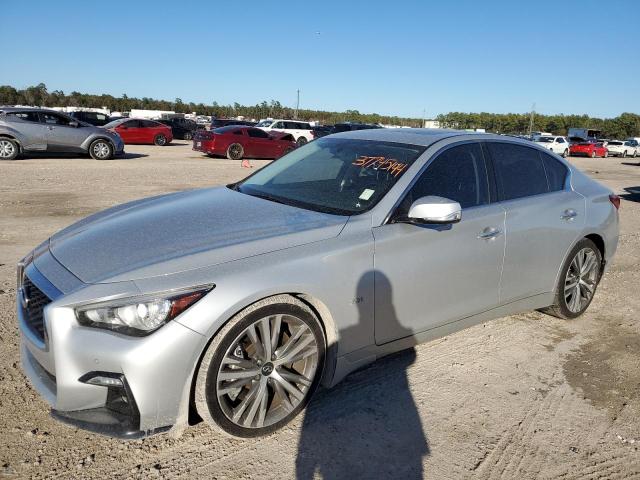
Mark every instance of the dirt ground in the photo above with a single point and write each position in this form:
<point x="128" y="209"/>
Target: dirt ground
<point x="528" y="396"/>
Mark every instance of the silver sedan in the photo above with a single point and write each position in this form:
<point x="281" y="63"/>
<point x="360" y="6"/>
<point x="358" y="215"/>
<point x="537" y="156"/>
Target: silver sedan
<point x="239" y="301"/>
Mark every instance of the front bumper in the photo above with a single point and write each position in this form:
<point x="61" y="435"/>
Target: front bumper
<point x="156" y="370"/>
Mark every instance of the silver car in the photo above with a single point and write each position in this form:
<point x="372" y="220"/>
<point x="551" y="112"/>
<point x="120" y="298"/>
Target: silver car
<point x="239" y="301"/>
<point x="28" y="130"/>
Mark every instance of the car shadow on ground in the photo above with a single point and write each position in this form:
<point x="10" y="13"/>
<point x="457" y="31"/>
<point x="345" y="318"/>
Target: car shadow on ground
<point x="632" y="195"/>
<point x="368" y="426"/>
<point x="637" y="164"/>
<point x="73" y="156"/>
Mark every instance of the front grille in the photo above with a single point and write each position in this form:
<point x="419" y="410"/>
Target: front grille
<point x="34" y="312"/>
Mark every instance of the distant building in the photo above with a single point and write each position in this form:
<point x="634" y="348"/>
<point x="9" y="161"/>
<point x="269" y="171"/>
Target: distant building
<point x="431" y="124"/>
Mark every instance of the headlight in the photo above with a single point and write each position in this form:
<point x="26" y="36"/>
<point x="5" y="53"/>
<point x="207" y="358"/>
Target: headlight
<point x="142" y="315"/>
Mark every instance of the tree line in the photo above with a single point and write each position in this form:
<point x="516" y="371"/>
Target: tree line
<point x="623" y="126"/>
<point x="39" y="95"/>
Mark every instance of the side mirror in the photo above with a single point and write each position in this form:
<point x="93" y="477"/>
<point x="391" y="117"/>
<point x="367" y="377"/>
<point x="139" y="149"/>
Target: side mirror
<point x="74" y="124"/>
<point x="434" y="209"/>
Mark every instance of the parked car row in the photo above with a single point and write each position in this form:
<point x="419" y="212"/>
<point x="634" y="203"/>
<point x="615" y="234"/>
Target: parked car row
<point x="589" y="147"/>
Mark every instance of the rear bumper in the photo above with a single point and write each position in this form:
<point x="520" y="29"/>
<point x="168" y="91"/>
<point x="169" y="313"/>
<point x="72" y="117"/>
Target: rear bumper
<point x="204" y="146"/>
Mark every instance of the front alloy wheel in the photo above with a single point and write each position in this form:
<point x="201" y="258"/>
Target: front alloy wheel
<point x="101" y="150"/>
<point x="262" y="368"/>
<point x="8" y="149"/>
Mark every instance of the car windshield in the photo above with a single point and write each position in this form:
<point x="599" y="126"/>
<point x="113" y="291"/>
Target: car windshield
<point x="333" y="175"/>
<point x="113" y="124"/>
<point x="545" y="140"/>
<point x="264" y="123"/>
<point x="226" y="129"/>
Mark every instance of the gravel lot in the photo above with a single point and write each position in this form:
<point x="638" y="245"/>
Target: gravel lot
<point x="527" y="396"/>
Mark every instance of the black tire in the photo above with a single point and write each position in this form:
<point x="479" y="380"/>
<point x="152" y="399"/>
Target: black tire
<point x="559" y="308"/>
<point x="9" y="149"/>
<point x="565" y="154"/>
<point x="101" y="149"/>
<point x="235" y="151"/>
<point x="160" y="140"/>
<point x="206" y="398"/>
<point x="301" y="141"/>
<point x="187" y="136"/>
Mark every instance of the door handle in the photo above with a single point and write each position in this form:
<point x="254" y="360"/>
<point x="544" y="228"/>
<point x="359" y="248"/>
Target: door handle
<point x="569" y="214"/>
<point x="489" y="233"/>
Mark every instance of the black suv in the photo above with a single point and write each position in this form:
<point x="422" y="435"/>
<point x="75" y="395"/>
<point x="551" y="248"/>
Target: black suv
<point x="94" y="118"/>
<point x="321" y="131"/>
<point x="223" y="122"/>
<point x="181" y="127"/>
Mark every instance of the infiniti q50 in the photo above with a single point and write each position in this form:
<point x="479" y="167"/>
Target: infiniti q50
<point x="237" y="302"/>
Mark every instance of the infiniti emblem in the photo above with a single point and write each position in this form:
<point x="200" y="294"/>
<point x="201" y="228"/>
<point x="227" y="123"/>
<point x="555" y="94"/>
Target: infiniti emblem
<point x="267" y="369"/>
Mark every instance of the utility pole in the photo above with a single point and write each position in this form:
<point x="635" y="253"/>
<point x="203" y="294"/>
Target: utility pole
<point x="533" y="112"/>
<point x="297" y="103"/>
<point x="424" y="113"/>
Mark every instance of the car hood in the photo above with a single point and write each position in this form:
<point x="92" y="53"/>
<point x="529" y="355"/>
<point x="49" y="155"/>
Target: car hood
<point x="184" y="231"/>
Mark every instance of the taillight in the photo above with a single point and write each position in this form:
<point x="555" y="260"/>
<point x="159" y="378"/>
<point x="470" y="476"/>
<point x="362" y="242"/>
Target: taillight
<point x="615" y="200"/>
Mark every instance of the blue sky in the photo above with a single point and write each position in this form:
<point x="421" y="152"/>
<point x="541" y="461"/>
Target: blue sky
<point x="397" y="57"/>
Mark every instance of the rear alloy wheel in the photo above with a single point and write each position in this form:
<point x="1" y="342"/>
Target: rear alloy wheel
<point x="593" y="154"/>
<point x="262" y="368"/>
<point x="160" y="140"/>
<point x="187" y="136"/>
<point x="579" y="279"/>
<point x="301" y="141"/>
<point x="287" y="150"/>
<point x="565" y="154"/>
<point x="235" y="151"/>
<point x="624" y="154"/>
<point x="8" y="149"/>
<point x="101" y="150"/>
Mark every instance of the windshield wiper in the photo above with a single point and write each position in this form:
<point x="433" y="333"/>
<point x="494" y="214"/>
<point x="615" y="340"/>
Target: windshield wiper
<point x="264" y="196"/>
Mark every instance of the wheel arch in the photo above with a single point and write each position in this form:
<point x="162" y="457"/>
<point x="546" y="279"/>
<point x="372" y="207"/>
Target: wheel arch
<point x="599" y="241"/>
<point x="327" y="324"/>
<point x="14" y="138"/>
<point x="101" y="137"/>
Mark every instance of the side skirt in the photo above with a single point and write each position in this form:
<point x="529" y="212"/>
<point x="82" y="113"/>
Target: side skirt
<point x="358" y="359"/>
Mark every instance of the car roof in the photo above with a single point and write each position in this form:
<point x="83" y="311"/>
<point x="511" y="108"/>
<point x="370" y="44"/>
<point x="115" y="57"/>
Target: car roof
<point x="29" y="109"/>
<point x="413" y="136"/>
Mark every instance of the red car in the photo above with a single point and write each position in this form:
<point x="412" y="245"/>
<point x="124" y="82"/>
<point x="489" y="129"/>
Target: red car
<point x="236" y="142"/>
<point x="133" y="130"/>
<point x="590" y="149"/>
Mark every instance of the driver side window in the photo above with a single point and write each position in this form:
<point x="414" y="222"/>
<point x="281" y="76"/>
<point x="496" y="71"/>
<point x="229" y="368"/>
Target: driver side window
<point x="458" y="173"/>
<point x="53" y="119"/>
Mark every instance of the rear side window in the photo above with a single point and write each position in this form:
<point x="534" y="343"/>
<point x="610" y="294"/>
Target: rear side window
<point x="26" y="116"/>
<point x="519" y="170"/>
<point x="556" y="172"/>
<point x="149" y="124"/>
<point x="458" y="173"/>
<point x="257" y="133"/>
<point x="132" y="124"/>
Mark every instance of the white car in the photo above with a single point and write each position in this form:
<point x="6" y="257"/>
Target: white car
<point x="623" y="149"/>
<point x="559" y="145"/>
<point x="301" y="131"/>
